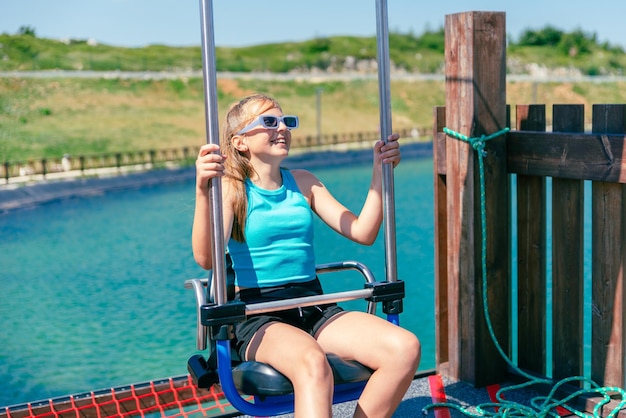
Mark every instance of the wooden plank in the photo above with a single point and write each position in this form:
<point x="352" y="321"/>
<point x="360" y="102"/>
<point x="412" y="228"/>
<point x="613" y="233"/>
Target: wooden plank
<point x="439" y="140"/>
<point x="441" y="232"/>
<point x="576" y="156"/>
<point x="567" y="258"/>
<point x="531" y="255"/>
<point x="608" y="261"/>
<point x="459" y="186"/>
<point x="475" y="55"/>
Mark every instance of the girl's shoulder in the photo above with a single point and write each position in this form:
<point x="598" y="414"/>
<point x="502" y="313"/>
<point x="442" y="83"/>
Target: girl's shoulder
<point x="307" y="182"/>
<point x="303" y="177"/>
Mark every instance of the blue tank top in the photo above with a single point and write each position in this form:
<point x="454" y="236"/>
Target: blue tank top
<point x="279" y="237"/>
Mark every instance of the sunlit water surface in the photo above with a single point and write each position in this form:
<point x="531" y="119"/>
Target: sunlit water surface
<point x="92" y="294"/>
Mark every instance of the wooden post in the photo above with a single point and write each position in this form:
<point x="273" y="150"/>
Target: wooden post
<point x="475" y="53"/>
<point x="608" y="261"/>
<point x="441" y="241"/>
<point x="531" y="255"/>
<point x="567" y="258"/>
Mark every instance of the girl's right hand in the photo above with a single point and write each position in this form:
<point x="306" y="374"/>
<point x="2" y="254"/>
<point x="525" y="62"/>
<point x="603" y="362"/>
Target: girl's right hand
<point x="209" y="164"/>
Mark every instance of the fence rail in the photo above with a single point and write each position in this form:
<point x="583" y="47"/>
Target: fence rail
<point x="155" y="158"/>
<point x="84" y="163"/>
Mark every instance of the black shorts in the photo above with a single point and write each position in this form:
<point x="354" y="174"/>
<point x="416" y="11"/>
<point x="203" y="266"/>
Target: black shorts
<point x="309" y="319"/>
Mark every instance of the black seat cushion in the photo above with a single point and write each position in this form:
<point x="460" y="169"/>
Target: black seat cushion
<point x="260" y="379"/>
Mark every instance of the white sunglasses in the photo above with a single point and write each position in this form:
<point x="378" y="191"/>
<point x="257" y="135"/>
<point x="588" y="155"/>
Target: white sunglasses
<point x="272" y="122"/>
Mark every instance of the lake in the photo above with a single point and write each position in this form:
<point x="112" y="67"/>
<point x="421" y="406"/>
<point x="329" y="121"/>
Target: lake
<point x="92" y="292"/>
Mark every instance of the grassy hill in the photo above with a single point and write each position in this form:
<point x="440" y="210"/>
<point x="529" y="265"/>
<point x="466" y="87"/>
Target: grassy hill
<point x="50" y="117"/>
<point x="46" y="118"/>
<point x="549" y="46"/>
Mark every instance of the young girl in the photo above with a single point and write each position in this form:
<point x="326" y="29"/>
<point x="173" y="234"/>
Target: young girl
<point x="268" y="230"/>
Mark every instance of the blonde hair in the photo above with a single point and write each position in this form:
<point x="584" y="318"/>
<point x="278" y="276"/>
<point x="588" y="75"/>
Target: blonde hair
<point x="238" y="167"/>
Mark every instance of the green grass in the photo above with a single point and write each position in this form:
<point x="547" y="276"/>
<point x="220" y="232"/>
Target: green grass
<point x="46" y="118"/>
<point x="422" y="54"/>
<point x="50" y="117"/>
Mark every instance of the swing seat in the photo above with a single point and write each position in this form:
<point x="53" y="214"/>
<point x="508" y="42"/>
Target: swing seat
<point x="256" y="378"/>
<point x="259" y="379"/>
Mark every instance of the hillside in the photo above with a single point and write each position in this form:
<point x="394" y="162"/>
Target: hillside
<point x="575" y="52"/>
<point x="50" y="117"/>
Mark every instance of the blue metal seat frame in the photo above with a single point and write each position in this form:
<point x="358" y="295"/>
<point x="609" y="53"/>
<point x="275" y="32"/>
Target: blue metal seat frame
<point x="272" y="391"/>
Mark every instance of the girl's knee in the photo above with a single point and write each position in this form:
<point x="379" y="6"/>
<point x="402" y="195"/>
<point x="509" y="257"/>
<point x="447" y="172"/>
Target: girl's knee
<point x="313" y="366"/>
<point x="406" y="347"/>
<point x="415" y="348"/>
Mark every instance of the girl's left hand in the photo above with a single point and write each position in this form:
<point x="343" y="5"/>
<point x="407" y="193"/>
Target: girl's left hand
<point x="388" y="152"/>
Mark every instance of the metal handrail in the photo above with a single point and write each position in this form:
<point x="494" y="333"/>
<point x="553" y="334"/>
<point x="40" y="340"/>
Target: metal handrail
<point x="384" y="93"/>
<point x="264" y="307"/>
<point x="199" y="287"/>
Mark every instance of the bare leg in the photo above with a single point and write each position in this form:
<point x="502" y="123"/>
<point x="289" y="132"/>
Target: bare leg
<point x="298" y="356"/>
<point x="393" y="352"/>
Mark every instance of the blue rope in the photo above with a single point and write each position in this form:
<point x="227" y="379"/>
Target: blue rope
<point x="541" y="406"/>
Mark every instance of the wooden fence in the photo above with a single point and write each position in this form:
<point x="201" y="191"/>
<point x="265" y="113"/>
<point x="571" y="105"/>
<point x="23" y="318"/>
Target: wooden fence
<point x="563" y="159"/>
<point x="155" y="158"/>
<point x="548" y="172"/>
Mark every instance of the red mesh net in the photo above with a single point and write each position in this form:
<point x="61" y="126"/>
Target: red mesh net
<point x="175" y="397"/>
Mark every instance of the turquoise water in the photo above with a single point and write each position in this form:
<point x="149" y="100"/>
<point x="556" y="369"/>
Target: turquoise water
<point x="92" y="295"/>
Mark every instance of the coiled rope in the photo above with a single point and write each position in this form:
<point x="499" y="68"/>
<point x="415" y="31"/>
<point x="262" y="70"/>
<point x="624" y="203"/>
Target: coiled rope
<point x="541" y="406"/>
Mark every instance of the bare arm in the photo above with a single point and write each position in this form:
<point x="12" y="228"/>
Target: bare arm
<point x="208" y="165"/>
<point x="364" y="227"/>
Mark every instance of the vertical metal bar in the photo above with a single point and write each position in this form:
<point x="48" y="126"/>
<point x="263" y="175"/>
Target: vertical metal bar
<point x="212" y="132"/>
<point x="382" y="40"/>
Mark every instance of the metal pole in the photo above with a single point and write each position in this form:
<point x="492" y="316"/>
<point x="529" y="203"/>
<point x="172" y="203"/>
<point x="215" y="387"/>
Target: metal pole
<point x="212" y="132"/>
<point x="382" y="40"/>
